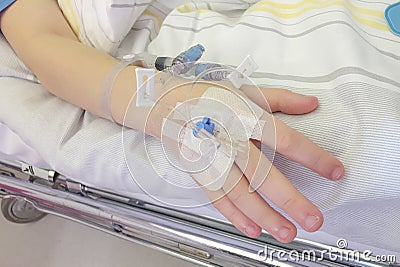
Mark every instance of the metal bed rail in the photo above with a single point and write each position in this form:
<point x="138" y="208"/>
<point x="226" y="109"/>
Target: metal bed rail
<point x="200" y="240"/>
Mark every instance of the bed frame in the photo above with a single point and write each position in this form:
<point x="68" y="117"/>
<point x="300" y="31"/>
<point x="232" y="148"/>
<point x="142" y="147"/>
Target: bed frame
<point x="29" y="193"/>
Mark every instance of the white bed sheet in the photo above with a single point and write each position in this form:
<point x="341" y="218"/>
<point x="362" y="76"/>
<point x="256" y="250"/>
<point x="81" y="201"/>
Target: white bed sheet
<point x="87" y="160"/>
<point x="354" y="74"/>
<point x="13" y="148"/>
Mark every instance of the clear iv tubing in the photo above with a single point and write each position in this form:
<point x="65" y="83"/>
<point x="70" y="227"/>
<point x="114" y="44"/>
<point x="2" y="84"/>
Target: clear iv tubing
<point x="109" y="83"/>
<point x="181" y="64"/>
<point x="184" y="63"/>
<point x="154" y="62"/>
<point x="144" y="59"/>
<point x="221" y="143"/>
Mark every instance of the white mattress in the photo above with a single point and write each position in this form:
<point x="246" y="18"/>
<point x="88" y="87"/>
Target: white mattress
<point x="13" y="148"/>
<point x="90" y="152"/>
<point x="355" y="75"/>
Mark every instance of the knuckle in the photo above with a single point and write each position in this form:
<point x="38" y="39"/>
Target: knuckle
<point x="229" y="211"/>
<point x="235" y="196"/>
<point x="231" y="214"/>
<point x="286" y="143"/>
<point x="317" y="162"/>
<point x="264" y="219"/>
<point x="289" y="204"/>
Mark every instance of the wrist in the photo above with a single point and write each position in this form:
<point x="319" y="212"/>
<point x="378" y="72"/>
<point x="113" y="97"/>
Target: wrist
<point x="168" y="93"/>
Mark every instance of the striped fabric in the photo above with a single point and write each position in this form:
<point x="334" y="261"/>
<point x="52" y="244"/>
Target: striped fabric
<point x="341" y="51"/>
<point x="104" y="24"/>
<point x="338" y="50"/>
<point x="125" y="26"/>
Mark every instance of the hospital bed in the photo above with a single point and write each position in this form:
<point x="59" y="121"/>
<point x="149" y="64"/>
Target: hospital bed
<point x="29" y="193"/>
<point x="42" y="173"/>
<point x="201" y="236"/>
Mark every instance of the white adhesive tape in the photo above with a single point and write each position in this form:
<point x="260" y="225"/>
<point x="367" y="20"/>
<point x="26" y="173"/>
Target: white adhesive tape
<point x="246" y="68"/>
<point x="239" y="116"/>
<point x="236" y="119"/>
<point x="145" y="87"/>
<point x="207" y="164"/>
<point x="108" y="84"/>
<point x="212" y="177"/>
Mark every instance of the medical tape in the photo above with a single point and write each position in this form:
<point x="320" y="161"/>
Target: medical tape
<point x="145" y="87"/>
<point x="236" y="120"/>
<point x="238" y="115"/>
<point x="186" y="111"/>
<point x="245" y="69"/>
<point x="207" y="164"/>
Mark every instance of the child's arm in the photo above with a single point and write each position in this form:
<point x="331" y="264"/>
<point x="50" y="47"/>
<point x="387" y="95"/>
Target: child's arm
<point x="41" y="37"/>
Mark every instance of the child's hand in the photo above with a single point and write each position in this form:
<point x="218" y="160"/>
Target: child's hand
<point x="75" y="73"/>
<point x="247" y="210"/>
<point x="244" y="207"/>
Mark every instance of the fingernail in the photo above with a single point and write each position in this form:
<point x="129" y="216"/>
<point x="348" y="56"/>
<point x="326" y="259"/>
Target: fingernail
<point x="251" y="231"/>
<point x="311" y="221"/>
<point x="283" y="233"/>
<point x="336" y="174"/>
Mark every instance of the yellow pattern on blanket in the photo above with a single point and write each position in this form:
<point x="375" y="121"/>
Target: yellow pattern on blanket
<point x="340" y="51"/>
<point x="369" y="17"/>
<point x="71" y="16"/>
<point x="353" y="68"/>
<point x="104" y="24"/>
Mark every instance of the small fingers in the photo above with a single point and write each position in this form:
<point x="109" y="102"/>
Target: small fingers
<point x="297" y="147"/>
<point x="289" y="102"/>
<point x="277" y="188"/>
<point x="256" y="209"/>
<point x="233" y="214"/>
<point x="282" y="100"/>
<point x="287" y="141"/>
<point x="282" y="193"/>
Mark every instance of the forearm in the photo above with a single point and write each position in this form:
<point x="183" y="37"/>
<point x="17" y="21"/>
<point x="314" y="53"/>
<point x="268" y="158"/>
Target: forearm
<point x="67" y="68"/>
<point x="75" y="72"/>
<point x="42" y="38"/>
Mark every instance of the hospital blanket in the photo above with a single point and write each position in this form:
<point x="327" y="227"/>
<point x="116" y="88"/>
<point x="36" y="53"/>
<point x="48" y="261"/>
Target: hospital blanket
<point x="340" y="51"/>
<point x="119" y="27"/>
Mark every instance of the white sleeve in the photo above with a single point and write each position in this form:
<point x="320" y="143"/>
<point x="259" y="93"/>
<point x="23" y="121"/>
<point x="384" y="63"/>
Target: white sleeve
<point x="102" y="24"/>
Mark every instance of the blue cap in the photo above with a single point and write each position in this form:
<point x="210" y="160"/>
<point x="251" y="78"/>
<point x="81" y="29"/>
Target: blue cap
<point x="392" y="16"/>
<point x="194" y="53"/>
<point x="205" y="124"/>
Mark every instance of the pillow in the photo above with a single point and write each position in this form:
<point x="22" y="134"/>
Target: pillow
<point x="102" y="24"/>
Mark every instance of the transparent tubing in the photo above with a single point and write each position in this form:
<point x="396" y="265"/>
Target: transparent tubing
<point x="108" y="85"/>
